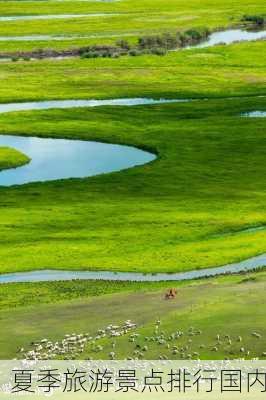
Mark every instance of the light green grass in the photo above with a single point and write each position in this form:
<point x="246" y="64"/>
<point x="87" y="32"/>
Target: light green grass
<point x="225" y="305"/>
<point x="137" y="18"/>
<point x="216" y="72"/>
<point x="171" y="215"/>
<point x="11" y="158"/>
<point x="174" y="214"/>
<point x="188" y="209"/>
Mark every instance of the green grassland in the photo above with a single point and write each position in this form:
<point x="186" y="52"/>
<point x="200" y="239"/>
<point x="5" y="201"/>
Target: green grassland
<point x="192" y="207"/>
<point x="186" y="210"/>
<point x="137" y="18"/>
<point x="229" y="305"/>
<point x="214" y="72"/>
<point x="11" y="158"/>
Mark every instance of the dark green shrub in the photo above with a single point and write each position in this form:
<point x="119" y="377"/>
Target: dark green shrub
<point x="258" y="20"/>
<point x="123" y="44"/>
<point x="158" y="51"/>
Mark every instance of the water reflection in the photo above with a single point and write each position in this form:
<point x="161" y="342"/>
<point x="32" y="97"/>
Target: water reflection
<point x="255" y="114"/>
<point x="53" y="159"/>
<point x="50" y="104"/>
<point x="230" y="36"/>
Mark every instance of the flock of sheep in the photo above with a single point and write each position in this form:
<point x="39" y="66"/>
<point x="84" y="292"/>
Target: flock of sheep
<point x="73" y="345"/>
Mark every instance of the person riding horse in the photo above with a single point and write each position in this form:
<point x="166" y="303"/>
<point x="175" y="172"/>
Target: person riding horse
<point x="171" y="294"/>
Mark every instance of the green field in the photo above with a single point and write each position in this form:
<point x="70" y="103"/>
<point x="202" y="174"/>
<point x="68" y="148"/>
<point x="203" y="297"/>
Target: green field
<point x="222" y="71"/>
<point x="201" y="203"/>
<point x="223" y="306"/>
<point x="188" y="209"/>
<point x="134" y="18"/>
<point x="11" y="158"/>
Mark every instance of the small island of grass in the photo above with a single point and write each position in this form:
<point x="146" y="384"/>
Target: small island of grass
<point x="11" y="158"/>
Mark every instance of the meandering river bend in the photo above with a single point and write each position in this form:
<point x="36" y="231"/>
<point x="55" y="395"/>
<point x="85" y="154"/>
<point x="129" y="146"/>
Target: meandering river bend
<point x="91" y="158"/>
<point x="58" y="275"/>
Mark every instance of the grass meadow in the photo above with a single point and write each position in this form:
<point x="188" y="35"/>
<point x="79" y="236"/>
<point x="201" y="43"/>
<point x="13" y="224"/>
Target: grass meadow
<point x="190" y="208"/>
<point x="201" y="203"/>
<point x="131" y="19"/>
<point x="226" y="306"/>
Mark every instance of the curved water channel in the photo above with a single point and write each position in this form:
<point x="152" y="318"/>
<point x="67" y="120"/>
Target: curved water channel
<point x="56" y="275"/>
<point x="231" y="36"/>
<point x="60" y="158"/>
<point x="223" y="37"/>
<point x="111" y="160"/>
<point x="52" y="16"/>
<point x="51" y="104"/>
<point x="255" y="114"/>
<point x="53" y="159"/>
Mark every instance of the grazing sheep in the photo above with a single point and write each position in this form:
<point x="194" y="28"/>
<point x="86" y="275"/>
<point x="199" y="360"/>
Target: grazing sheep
<point x="256" y="335"/>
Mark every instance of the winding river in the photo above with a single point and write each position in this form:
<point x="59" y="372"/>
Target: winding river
<point x="255" y="114"/>
<point x="52" y="16"/>
<point x="50" y="104"/>
<point x="59" y="158"/>
<point x="223" y="37"/>
<point x="53" y="159"/>
<point x="230" y="36"/>
<point x="57" y="275"/>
